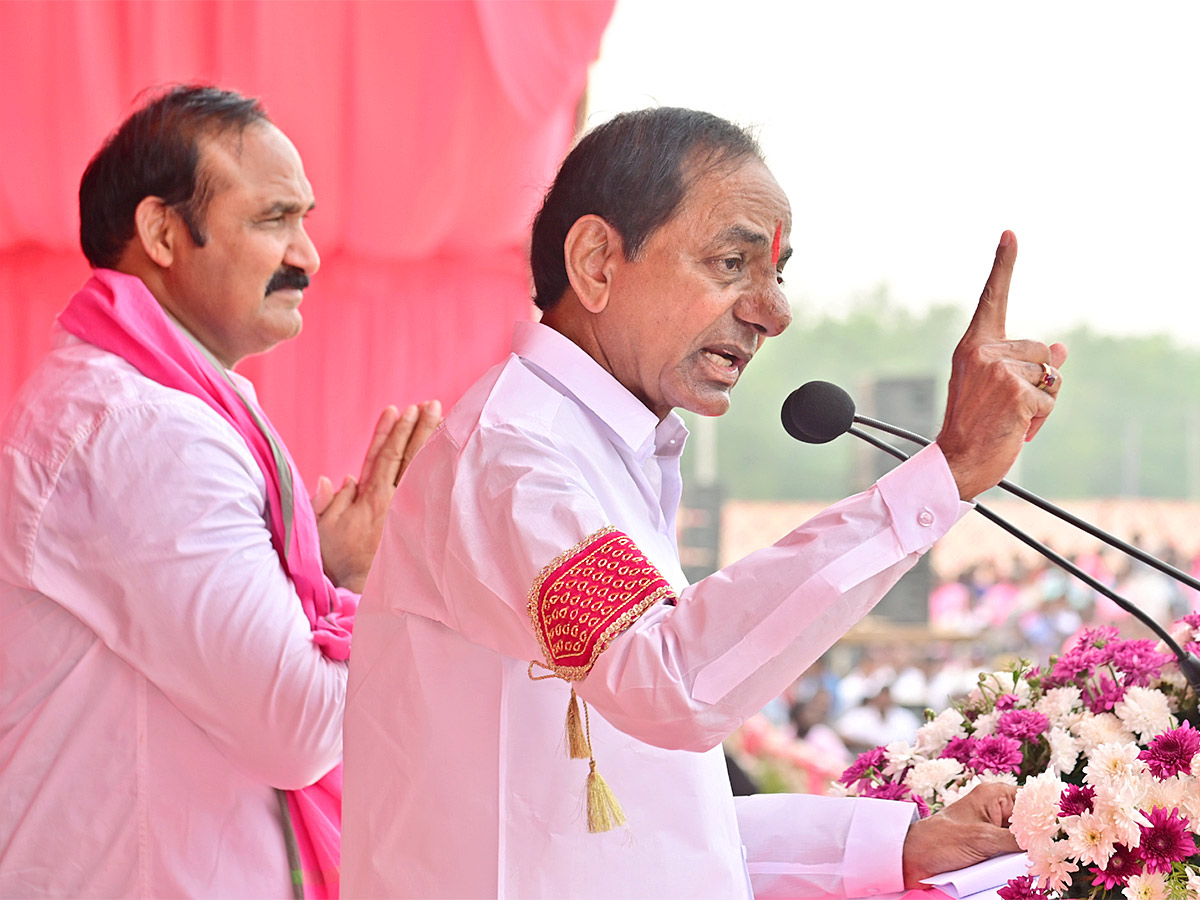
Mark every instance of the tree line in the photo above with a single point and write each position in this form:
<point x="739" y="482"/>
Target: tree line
<point x="1127" y="422"/>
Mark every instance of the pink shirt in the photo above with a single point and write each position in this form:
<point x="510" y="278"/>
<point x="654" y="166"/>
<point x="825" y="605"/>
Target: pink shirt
<point x="159" y="678"/>
<point x="457" y="783"/>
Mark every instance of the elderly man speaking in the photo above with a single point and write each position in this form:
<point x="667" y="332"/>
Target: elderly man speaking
<point x="176" y="634"/>
<point x="528" y="572"/>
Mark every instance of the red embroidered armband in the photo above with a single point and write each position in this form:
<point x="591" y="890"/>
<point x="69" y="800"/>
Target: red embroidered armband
<point x="588" y="596"/>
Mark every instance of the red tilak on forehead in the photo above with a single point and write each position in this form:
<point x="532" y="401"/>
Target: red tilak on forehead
<point x="775" y="244"/>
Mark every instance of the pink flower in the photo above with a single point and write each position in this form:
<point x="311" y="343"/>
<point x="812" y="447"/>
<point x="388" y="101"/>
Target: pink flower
<point x="1122" y="866"/>
<point x="960" y="748"/>
<point x="996" y="753"/>
<point x="1165" y="840"/>
<point x="894" y="791"/>
<point x="1022" y="888"/>
<point x="1103" y="694"/>
<point x="1007" y="701"/>
<point x="1022" y="724"/>
<point x="1140" y="662"/>
<point x="1171" y="752"/>
<point x="1076" y="800"/>
<point x="862" y="768"/>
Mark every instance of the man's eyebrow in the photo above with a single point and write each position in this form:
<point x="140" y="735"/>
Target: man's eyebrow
<point x="745" y="235"/>
<point x="289" y="207"/>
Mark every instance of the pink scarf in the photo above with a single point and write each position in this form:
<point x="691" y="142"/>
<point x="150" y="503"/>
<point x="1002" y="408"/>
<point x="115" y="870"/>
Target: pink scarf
<point x="117" y="313"/>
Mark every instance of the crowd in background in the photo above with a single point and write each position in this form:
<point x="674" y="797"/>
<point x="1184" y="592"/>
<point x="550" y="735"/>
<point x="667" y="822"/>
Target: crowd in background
<point x="860" y="696"/>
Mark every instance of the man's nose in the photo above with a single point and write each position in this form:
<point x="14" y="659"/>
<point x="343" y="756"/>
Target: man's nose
<point x="302" y="253"/>
<point x="766" y="309"/>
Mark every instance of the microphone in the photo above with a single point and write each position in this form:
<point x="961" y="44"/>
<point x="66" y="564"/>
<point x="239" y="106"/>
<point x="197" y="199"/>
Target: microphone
<point x="818" y="411"/>
<point x="831" y="414"/>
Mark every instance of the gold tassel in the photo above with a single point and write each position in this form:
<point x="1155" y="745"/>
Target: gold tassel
<point x="577" y="744"/>
<point x="603" y="811"/>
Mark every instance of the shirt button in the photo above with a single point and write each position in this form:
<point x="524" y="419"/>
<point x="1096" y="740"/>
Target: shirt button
<point x="925" y="517"/>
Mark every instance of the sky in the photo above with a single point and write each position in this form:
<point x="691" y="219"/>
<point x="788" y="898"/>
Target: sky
<point x="908" y="136"/>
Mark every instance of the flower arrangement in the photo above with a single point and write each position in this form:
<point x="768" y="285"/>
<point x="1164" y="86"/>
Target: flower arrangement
<point x="1103" y="747"/>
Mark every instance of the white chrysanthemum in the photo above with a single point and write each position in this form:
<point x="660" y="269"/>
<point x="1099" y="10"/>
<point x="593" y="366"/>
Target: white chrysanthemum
<point x="998" y="778"/>
<point x="933" y="736"/>
<point x="899" y="755"/>
<point x="1147" y="886"/>
<point x="1193" y="881"/>
<point x="1051" y="864"/>
<point x="1172" y="678"/>
<point x="986" y="724"/>
<point x="1104" y="728"/>
<point x="1189" y="801"/>
<point x="1062" y="706"/>
<point x="1064" y="751"/>
<point x="932" y="776"/>
<point x="1035" y="811"/>
<point x="953" y="793"/>
<point x="1121" y="804"/>
<point x="1090" y="838"/>
<point x="1146" y="712"/>
<point x="1114" y="763"/>
<point x="1168" y="794"/>
<point x="837" y="789"/>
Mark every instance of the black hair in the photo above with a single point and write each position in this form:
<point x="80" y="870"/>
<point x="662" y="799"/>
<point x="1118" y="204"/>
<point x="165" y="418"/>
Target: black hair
<point x="632" y="172"/>
<point x="156" y="153"/>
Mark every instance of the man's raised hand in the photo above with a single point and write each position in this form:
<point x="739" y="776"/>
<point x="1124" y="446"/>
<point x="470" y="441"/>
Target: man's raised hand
<point x="1001" y="390"/>
<point x="350" y="520"/>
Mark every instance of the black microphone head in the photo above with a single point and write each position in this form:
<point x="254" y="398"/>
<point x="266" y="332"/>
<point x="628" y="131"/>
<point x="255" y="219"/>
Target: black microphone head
<point x="817" y="412"/>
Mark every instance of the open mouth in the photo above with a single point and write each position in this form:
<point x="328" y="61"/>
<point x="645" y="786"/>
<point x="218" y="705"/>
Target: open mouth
<point x="726" y="357"/>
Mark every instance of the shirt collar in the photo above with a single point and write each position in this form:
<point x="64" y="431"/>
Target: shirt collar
<point x="596" y="388"/>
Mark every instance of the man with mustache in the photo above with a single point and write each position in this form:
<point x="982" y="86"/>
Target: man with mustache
<point x="177" y="614"/>
<point x="529" y="575"/>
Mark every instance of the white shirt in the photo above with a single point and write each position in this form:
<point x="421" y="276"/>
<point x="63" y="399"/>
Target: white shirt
<point x="159" y="678"/>
<point x="457" y="783"/>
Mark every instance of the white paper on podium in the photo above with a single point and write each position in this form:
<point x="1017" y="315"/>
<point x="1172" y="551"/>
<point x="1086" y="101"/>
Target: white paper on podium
<point x="981" y="881"/>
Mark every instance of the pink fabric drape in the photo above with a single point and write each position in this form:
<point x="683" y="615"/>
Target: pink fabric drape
<point x="428" y="130"/>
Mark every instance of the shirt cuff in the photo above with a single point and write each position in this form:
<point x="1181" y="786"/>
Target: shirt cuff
<point x="877" y="832"/>
<point x="922" y="496"/>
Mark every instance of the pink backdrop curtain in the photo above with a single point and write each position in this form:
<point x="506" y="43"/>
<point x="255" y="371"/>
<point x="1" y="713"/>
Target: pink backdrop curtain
<point x="428" y="129"/>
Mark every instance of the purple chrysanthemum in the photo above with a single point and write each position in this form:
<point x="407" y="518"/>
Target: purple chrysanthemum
<point x="1007" y="701"/>
<point x="996" y="753"/>
<point x="1171" y="752"/>
<point x="1140" y="662"/>
<point x="861" y="767"/>
<point x="1022" y="888"/>
<point x="1121" y="866"/>
<point x="1165" y="840"/>
<point x="888" y="791"/>
<point x="1023" y="724"/>
<point x="1103" y="694"/>
<point x="1076" y="800"/>
<point x="1192" y="619"/>
<point x="960" y="748"/>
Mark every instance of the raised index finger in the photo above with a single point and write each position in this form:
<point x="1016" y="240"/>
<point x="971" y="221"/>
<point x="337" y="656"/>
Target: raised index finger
<point x="992" y="310"/>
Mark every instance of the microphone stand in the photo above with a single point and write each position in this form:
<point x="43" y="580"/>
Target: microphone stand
<point x="1189" y="663"/>
<point x="1015" y="489"/>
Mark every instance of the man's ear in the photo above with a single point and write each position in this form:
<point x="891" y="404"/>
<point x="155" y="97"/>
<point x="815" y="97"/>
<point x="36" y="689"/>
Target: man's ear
<point x="156" y="229"/>
<point x="591" y="247"/>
